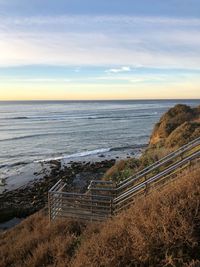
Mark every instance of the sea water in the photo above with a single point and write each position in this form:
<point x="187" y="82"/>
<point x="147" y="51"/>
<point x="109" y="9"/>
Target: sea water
<point x="35" y="131"/>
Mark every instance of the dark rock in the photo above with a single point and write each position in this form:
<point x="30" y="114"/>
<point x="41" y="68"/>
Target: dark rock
<point x="31" y="198"/>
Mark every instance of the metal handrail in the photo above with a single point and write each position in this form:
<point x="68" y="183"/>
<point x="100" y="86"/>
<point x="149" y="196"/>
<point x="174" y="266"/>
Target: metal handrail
<point x="80" y="195"/>
<point x="161" y="174"/>
<point x="55" y="186"/>
<point x="170" y="156"/>
<point x="153" y="166"/>
<point x="102" y="204"/>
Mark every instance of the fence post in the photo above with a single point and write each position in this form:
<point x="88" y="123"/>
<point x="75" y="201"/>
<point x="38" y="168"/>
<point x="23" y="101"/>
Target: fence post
<point x="106" y="199"/>
<point x="91" y="205"/>
<point x="146" y="185"/>
<point x="111" y="207"/>
<point x="49" y="206"/>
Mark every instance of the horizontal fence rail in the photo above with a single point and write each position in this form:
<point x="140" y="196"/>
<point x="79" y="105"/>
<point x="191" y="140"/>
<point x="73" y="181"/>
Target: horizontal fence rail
<point x="104" y="198"/>
<point x="124" y="197"/>
<point x="75" y="205"/>
<point x="141" y="174"/>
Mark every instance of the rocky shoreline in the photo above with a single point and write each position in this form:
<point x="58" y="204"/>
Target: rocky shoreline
<point x="28" y="199"/>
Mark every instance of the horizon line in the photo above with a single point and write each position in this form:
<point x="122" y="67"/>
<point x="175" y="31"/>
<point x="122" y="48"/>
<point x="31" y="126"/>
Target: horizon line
<point x="82" y="100"/>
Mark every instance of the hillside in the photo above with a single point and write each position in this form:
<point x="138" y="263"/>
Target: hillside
<point x="176" y="127"/>
<point x="161" y="229"/>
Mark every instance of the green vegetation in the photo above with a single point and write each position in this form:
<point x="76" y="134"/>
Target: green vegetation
<point x="122" y="170"/>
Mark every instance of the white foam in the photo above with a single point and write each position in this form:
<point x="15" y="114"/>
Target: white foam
<point x="78" y="155"/>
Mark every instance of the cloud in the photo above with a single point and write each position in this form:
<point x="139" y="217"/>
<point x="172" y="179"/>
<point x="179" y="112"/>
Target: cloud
<point x="103" y="19"/>
<point x="100" y="40"/>
<point x="122" y="69"/>
<point x="78" y="69"/>
<point x="22" y="80"/>
<point x="162" y="77"/>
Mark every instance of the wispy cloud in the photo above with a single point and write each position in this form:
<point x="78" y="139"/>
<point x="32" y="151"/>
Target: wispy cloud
<point x="22" y="80"/>
<point x="84" y="19"/>
<point x="100" y="40"/>
<point x="148" y="78"/>
<point x="117" y="70"/>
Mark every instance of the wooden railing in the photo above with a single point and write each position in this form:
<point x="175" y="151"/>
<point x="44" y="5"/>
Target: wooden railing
<point x="104" y="198"/>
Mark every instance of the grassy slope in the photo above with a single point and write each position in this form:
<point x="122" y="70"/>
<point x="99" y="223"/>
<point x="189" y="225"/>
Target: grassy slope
<point x="160" y="230"/>
<point x="178" y="126"/>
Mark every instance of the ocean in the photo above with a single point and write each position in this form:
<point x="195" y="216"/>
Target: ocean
<point x="36" y="131"/>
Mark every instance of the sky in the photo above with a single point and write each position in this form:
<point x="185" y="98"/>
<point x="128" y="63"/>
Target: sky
<point x="108" y="49"/>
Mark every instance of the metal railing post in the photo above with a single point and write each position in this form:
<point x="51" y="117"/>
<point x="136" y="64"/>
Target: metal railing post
<point x="106" y="199"/>
<point x="49" y="206"/>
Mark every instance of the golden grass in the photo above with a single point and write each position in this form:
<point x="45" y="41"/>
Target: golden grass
<point x="162" y="229"/>
<point x="176" y="127"/>
<point x="37" y="243"/>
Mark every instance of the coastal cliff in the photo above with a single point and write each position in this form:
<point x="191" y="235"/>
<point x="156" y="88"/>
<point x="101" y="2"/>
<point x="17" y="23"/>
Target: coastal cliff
<point x="176" y="127"/>
<point x="159" y="230"/>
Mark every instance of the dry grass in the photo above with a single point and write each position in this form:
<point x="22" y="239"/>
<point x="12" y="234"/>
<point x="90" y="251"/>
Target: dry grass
<point x="168" y="132"/>
<point x="183" y="134"/>
<point x="160" y="230"/>
<point x="36" y="243"/>
<point x="178" y="126"/>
